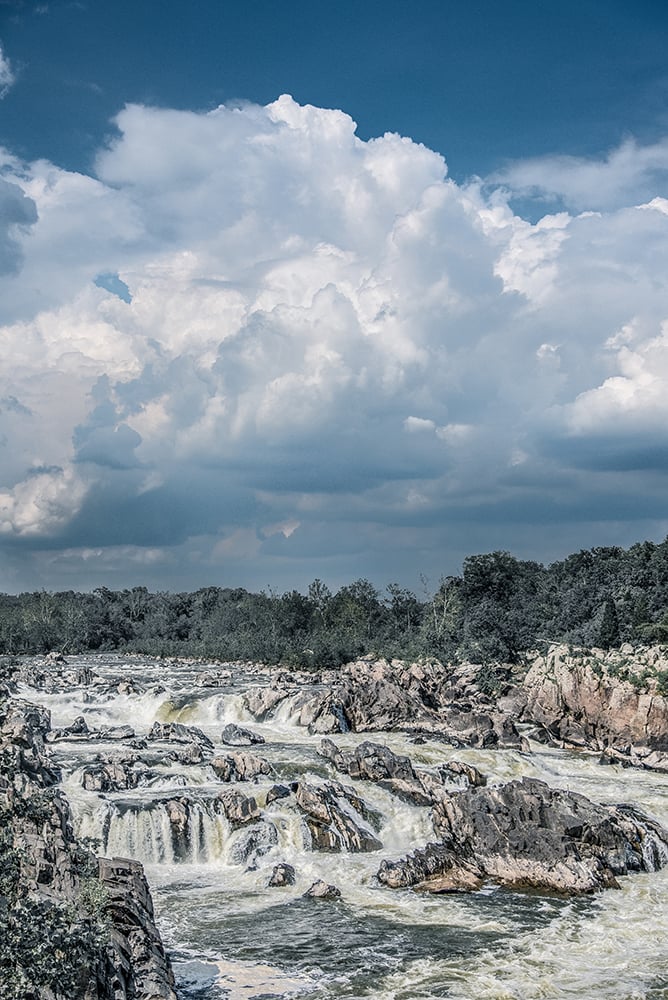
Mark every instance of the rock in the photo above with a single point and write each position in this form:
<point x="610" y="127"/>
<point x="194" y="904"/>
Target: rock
<point x="576" y="698"/>
<point x="77" y="730"/>
<point x="282" y="875"/>
<point x="192" y="754"/>
<point x="254" y="843"/>
<point x="376" y="762"/>
<point x="321" y="890"/>
<point x="137" y="966"/>
<point x="240" y="767"/>
<point x="238" y="808"/>
<point x="525" y="834"/>
<point x="263" y="701"/>
<point x="277" y="792"/>
<point x="213" y="679"/>
<point x="134" y="965"/>
<point x="55" y="657"/>
<point x="236" y="736"/>
<point x="456" y="769"/>
<point x="334" y="818"/>
<point x="117" y="733"/>
<point x="111" y="776"/>
<point x="176" y="732"/>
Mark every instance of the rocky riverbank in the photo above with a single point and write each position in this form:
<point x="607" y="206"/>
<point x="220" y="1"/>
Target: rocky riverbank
<point x="71" y="925"/>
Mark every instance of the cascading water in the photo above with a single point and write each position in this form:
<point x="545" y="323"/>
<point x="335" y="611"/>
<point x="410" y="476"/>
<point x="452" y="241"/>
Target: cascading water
<point x="232" y="935"/>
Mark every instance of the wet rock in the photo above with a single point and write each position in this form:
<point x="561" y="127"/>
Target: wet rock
<point x="219" y="678"/>
<point x="376" y="762"/>
<point x="254" y="843"/>
<point x="111" y="776"/>
<point x="77" y="730"/>
<point x="322" y="890"/>
<point x="55" y="657"/>
<point x="176" y="732"/>
<point x="282" y="874"/>
<point x="457" y="769"/>
<point x="277" y="792"/>
<point x="261" y="702"/>
<point x="238" y="808"/>
<point x="334" y="818"/>
<point x="117" y="733"/>
<point x="240" y="767"/>
<point x="192" y="754"/>
<point x="137" y="966"/>
<point x="236" y="736"/>
<point x="527" y="834"/>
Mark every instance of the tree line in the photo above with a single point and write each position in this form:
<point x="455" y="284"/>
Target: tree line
<point x="498" y="607"/>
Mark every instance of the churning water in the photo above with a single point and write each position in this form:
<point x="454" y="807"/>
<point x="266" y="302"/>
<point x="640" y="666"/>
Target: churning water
<point x="232" y="936"/>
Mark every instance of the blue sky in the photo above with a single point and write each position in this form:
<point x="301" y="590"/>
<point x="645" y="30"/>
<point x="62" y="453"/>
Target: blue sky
<point x="309" y="289"/>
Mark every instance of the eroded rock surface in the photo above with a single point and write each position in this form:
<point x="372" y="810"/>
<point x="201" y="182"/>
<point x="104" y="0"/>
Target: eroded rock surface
<point x="527" y="834"/>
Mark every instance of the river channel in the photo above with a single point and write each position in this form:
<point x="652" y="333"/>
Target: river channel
<point x="232" y="936"/>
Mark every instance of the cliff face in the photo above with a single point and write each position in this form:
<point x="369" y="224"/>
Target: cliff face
<point x="604" y="700"/>
<point x="71" y="925"/>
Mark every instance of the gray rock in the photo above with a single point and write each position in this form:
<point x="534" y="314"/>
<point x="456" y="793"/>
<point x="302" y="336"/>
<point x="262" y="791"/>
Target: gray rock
<point x="240" y="767"/>
<point x="334" y="818"/>
<point x="457" y="769"/>
<point x="254" y="843"/>
<point x="277" y="792"/>
<point x="238" y="808"/>
<point x="176" y="732"/>
<point x="322" y="890"/>
<point x="236" y="736"/>
<point x="527" y="835"/>
<point x="282" y="874"/>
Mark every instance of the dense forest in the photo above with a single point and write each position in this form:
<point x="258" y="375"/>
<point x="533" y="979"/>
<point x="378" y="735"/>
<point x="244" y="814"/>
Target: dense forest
<point x="498" y="607"/>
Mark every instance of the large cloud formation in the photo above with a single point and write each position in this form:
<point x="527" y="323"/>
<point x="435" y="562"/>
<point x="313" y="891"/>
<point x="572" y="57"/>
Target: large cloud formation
<point x="253" y="348"/>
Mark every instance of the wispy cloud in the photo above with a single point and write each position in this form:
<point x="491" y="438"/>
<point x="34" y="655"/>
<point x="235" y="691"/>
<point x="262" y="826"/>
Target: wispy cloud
<point x="6" y="73"/>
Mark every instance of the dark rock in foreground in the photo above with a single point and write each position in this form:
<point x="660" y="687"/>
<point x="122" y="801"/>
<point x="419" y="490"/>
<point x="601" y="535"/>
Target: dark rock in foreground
<point x="525" y="834"/>
<point x="59" y="900"/>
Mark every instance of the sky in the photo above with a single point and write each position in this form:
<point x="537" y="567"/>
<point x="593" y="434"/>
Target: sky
<point x="325" y="290"/>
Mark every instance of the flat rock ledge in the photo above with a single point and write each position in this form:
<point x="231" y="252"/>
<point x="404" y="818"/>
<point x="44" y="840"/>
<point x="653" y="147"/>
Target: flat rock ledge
<point x="527" y="835"/>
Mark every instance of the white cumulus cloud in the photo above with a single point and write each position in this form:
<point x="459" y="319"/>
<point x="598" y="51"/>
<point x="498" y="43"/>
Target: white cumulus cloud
<point x="329" y="351"/>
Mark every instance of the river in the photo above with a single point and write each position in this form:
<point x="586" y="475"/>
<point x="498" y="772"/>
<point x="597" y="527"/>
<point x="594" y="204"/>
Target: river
<point x="232" y="936"/>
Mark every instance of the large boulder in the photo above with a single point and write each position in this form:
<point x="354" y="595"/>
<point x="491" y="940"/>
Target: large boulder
<point x="526" y="834"/>
<point x="335" y="818"/>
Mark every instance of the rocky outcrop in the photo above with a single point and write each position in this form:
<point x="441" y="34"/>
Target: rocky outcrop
<point x="376" y="762"/>
<point x="598" y="700"/>
<point x="526" y="834"/>
<point x="335" y="818"/>
<point x="240" y="767"/>
<point x="139" y="966"/>
<point x="114" y="775"/>
<point x="58" y="897"/>
<point x="370" y="695"/>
